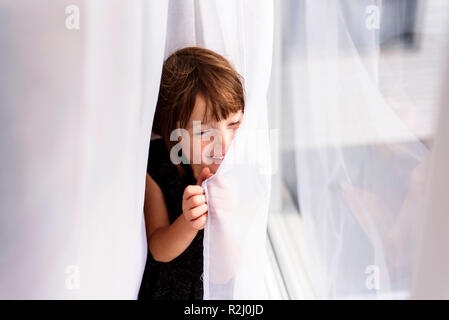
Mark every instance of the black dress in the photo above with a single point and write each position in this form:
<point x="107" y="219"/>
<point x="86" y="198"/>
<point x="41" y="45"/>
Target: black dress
<point x="181" y="278"/>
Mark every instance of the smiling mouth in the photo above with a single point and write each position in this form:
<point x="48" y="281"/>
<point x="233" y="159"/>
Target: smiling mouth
<point x="217" y="159"/>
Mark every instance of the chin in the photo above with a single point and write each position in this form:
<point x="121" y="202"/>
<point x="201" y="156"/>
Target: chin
<point x="213" y="168"/>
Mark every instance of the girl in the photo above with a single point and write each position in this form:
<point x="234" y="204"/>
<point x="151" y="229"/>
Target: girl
<point x="198" y="86"/>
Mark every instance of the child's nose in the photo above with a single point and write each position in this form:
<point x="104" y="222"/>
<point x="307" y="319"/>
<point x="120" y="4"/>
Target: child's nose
<point x="226" y="139"/>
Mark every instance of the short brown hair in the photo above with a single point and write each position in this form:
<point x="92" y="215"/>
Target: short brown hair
<point x="186" y="73"/>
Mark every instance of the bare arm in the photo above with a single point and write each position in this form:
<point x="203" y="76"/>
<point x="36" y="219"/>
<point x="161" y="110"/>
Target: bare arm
<point x="165" y="241"/>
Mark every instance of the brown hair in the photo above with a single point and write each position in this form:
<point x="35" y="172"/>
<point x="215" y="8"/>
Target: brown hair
<point x="186" y="73"/>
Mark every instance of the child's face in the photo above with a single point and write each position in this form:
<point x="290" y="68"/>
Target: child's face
<point x="214" y="138"/>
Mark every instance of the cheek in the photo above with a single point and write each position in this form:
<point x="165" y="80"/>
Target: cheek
<point x="196" y="148"/>
<point x="204" y="152"/>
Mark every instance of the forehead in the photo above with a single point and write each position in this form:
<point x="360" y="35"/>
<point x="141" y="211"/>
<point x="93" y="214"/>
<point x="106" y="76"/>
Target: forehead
<point x="199" y="110"/>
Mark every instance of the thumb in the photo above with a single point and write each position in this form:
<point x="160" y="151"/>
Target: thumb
<point x="205" y="173"/>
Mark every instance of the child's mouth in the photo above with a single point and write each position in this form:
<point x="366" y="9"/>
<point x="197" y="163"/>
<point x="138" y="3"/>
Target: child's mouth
<point x="217" y="159"/>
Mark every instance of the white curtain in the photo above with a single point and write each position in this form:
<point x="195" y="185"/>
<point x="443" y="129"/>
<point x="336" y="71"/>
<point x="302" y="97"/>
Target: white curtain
<point x="76" y="113"/>
<point x="77" y="106"/>
<point x="430" y="279"/>
<point x="360" y="167"/>
<point x="238" y="194"/>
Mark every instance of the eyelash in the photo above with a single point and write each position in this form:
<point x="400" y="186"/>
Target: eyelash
<point x="231" y="124"/>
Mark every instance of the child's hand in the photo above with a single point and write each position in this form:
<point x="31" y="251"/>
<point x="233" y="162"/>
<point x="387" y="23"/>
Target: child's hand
<point x="194" y="207"/>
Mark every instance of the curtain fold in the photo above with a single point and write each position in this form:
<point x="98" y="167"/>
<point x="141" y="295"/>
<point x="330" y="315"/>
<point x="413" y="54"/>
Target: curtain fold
<point x="124" y="53"/>
<point x="77" y="109"/>
<point x="360" y="168"/>
<point x="238" y="194"/>
<point x="430" y="280"/>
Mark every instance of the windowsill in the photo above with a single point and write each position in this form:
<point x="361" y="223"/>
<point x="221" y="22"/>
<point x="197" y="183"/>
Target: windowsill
<point x="288" y="277"/>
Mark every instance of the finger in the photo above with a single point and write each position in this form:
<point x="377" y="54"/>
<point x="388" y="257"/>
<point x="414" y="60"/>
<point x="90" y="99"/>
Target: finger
<point x="198" y="211"/>
<point x="195" y="201"/>
<point x="191" y="191"/>
<point x="203" y="175"/>
<point x="199" y="222"/>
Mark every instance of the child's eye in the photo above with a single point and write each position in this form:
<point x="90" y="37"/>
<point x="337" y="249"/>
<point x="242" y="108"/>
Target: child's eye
<point x="234" y="123"/>
<point x="202" y="133"/>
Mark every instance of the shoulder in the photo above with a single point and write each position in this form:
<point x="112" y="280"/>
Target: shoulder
<point x="159" y="165"/>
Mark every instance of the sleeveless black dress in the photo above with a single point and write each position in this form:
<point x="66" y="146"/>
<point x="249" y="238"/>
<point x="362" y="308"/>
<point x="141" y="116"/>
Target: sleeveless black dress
<point x="181" y="278"/>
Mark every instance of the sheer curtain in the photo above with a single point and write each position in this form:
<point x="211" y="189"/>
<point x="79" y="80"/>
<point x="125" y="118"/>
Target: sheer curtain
<point x="238" y="194"/>
<point x="360" y="167"/>
<point x="78" y="99"/>
<point x="76" y="114"/>
<point x="432" y="259"/>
